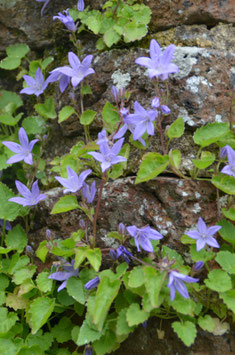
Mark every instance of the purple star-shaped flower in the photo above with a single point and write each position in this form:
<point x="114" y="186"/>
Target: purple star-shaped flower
<point x="56" y="75"/>
<point x="74" y="182"/>
<point x="23" y="150"/>
<point x="64" y="275"/>
<point x="230" y="168"/>
<point x="109" y="156"/>
<point x="36" y="85"/>
<point x="89" y="192"/>
<point x="46" y="2"/>
<point x="204" y="235"/>
<point x="66" y="19"/>
<point x="176" y="282"/>
<point x="78" y="70"/>
<point x="142" y="236"/>
<point x="142" y="120"/>
<point x="30" y="198"/>
<point x="159" y="64"/>
<point x="224" y="151"/>
<point x="80" y="5"/>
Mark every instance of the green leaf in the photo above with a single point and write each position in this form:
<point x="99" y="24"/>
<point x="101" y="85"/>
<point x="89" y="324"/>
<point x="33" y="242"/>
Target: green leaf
<point x="176" y="129"/>
<point x="15" y="301"/>
<point x="87" y="117"/>
<point x="201" y="255"/>
<point x="224" y="183"/>
<point x="152" y="165"/>
<point x="153" y="283"/>
<point x="136" y="277"/>
<point x="207" y="323"/>
<point x="44" y="341"/>
<point x="80" y="256"/>
<point x="10" y="63"/>
<point x="135" y="315"/>
<point x="175" y="158"/>
<point x="44" y="284"/>
<point x="42" y="251"/>
<point x="105" y="344"/>
<point x="65" y="204"/>
<point x="186" y="331"/>
<point x="122" y="327"/>
<point x="218" y="280"/>
<point x="184" y="306"/>
<point x="226" y="261"/>
<point x="94" y="257"/>
<point x="94" y="23"/>
<point x="86" y="90"/>
<point x="4" y="282"/>
<point x="17" y="50"/>
<point x="230" y="214"/>
<point x="46" y="62"/>
<point x="227" y="231"/>
<point x="114" y="235"/>
<point x="106" y="292"/>
<point x="34" y="125"/>
<point x="46" y="110"/>
<point x="62" y="331"/>
<point x="210" y="133"/>
<point x="111" y="37"/>
<point x="23" y="274"/>
<point x="9" y="101"/>
<point x="8" y="210"/>
<point x="65" y="113"/>
<point x="76" y="290"/>
<point x="229" y="299"/>
<point x="110" y="117"/>
<point x="7" y="347"/>
<point x="207" y="158"/>
<point x="39" y="311"/>
<point x="16" y="239"/>
<point x="7" y="320"/>
<point x="133" y="32"/>
<point x="9" y="120"/>
<point x="87" y="335"/>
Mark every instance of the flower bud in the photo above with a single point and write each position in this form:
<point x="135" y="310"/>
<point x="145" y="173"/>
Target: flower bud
<point x="198" y="265"/>
<point x="48" y="234"/>
<point x="155" y="102"/>
<point x="113" y="254"/>
<point x="165" y="109"/>
<point x="92" y="283"/>
<point x="82" y="224"/>
<point x="29" y="249"/>
<point x="121" y="228"/>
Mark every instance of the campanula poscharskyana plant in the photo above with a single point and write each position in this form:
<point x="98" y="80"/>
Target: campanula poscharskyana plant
<point x="66" y="19"/>
<point x="89" y="192"/>
<point x="30" y="198"/>
<point x="159" y="64"/>
<point x="56" y="75"/>
<point x="23" y="150"/>
<point x="230" y="153"/>
<point x="46" y="2"/>
<point x="80" y="5"/>
<point x="74" y="182"/>
<point x="64" y="275"/>
<point x="142" y="237"/>
<point x="176" y="282"/>
<point x="204" y="235"/>
<point x="36" y="85"/>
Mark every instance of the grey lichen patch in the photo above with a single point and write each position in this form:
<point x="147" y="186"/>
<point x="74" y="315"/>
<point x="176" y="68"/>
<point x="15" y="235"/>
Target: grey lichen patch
<point x="186" y="58"/>
<point x="197" y="208"/>
<point x="218" y="118"/>
<point x="194" y="82"/>
<point x="184" y="114"/>
<point x="121" y="80"/>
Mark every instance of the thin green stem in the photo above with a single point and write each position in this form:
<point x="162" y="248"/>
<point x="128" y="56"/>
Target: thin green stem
<point x="3" y="232"/>
<point x="93" y="240"/>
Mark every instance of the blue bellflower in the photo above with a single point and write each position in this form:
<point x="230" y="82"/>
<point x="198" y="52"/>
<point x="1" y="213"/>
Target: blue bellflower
<point x="74" y="182"/>
<point x="78" y="70"/>
<point x="23" y="150"/>
<point x="142" y="120"/>
<point x="36" y="85"/>
<point x="176" y="282"/>
<point x="89" y="192"/>
<point x="66" y="19"/>
<point x="159" y="64"/>
<point x="64" y="275"/>
<point x="109" y="156"/>
<point x="230" y="168"/>
<point x="80" y="5"/>
<point x="204" y="235"/>
<point x="142" y="236"/>
<point x="56" y="75"/>
<point x="46" y="2"/>
<point x="92" y="283"/>
<point x="30" y="198"/>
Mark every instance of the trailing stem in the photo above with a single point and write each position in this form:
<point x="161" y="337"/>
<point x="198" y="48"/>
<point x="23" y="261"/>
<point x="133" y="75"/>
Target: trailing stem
<point x="97" y="211"/>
